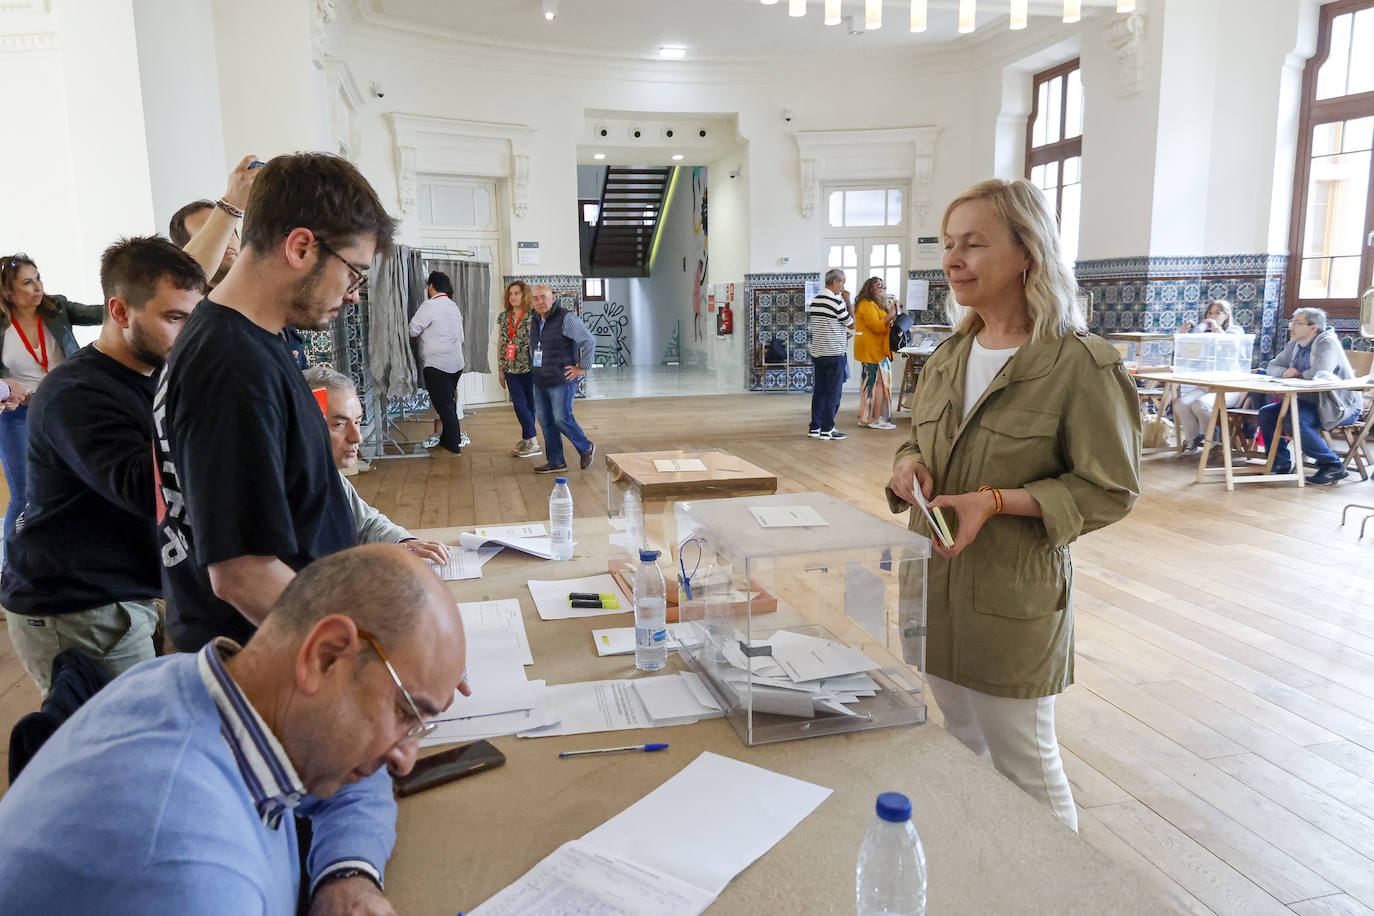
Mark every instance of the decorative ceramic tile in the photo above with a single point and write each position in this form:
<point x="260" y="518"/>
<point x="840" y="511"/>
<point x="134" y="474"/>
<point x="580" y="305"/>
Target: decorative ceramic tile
<point x="776" y="311"/>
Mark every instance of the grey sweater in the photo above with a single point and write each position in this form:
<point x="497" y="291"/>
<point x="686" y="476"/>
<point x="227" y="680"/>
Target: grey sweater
<point x="1327" y="357"/>
<point x="373" y="526"/>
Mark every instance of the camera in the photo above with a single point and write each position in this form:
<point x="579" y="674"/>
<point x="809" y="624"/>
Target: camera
<point x="787" y="115"/>
<point x="378" y="89"/>
<point x="734" y="173"/>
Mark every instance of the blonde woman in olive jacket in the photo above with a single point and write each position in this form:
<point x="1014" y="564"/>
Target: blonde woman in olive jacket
<point x="1026" y="430"/>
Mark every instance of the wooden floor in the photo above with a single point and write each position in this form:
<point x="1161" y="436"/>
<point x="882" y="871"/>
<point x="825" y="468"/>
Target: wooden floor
<point x="1220" y="738"/>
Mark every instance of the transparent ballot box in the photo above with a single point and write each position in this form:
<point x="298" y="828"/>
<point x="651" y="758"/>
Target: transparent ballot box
<point x="1141" y="350"/>
<point x="641" y="488"/>
<point x="1213" y="352"/>
<point x="806" y="615"/>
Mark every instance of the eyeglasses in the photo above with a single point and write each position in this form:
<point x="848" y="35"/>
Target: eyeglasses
<point x="424" y="728"/>
<point x="359" y="278"/>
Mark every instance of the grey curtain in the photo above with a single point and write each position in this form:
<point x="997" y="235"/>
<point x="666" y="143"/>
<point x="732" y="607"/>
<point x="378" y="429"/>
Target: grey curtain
<point x="391" y="295"/>
<point x="472" y="293"/>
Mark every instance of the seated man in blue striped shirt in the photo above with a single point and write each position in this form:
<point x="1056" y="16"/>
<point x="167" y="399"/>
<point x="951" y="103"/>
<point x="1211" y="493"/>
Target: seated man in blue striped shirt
<point x="173" y="789"/>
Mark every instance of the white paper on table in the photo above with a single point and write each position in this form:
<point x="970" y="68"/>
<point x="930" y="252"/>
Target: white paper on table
<point x="535" y="547"/>
<point x="501" y="614"/>
<point x="475" y="728"/>
<point x="787" y="517"/>
<point x="486" y="552"/>
<point x="809" y="658"/>
<point x="577" y="879"/>
<point x="527" y="530"/>
<point x="551" y="596"/>
<point x="669" y="465"/>
<point x="670" y="697"/>
<point x="597" y="706"/>
<point x="621" y="640"/>
<point x="462" y="564"/>
<point x="748" y="810"/>
<point x="496" y="676"/>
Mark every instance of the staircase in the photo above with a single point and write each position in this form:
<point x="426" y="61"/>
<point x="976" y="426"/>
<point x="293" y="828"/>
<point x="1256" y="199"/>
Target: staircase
<point x="632" y="202"/>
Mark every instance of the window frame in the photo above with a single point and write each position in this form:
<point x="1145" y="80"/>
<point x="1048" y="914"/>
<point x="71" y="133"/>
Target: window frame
<point x="1312" y="113"/>
<point x="1062" y="149"/>
<point x="586" y="293"/>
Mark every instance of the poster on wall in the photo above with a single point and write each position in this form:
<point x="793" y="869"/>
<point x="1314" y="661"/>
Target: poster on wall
<point x="813" y="289"/>
<point x="711" y="297"/>
<point x="528" y="252"/>
<point x="917" y="295"/>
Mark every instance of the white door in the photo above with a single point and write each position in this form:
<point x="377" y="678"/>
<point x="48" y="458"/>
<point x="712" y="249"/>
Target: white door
<point x="861" y="257"/>
<point x="461" y="214"/>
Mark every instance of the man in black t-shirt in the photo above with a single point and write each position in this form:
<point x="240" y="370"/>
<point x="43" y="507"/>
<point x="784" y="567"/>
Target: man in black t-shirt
<point x="83" y="564"/>
<point x="247" y="473"/>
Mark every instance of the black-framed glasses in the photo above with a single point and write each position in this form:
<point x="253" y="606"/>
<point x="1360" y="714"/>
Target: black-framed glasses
<point x="359" y="278"/>
<point x="423" y="728"/>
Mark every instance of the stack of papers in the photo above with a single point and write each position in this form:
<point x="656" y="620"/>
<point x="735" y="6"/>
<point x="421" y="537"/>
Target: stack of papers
<point x="621" y="640"/>
<point x="803" y="676"/>
<point x="464" y="563"/>
<point x="503" y="701"/>
<point x="667" y="854"/>
<point x="608" y="706"/>
<point x="531" y="538"/>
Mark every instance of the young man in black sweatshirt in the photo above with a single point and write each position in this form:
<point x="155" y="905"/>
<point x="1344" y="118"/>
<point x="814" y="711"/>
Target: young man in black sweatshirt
<point x="83" y="564"/>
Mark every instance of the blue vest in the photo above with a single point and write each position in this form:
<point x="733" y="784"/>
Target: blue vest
<point x="559" y="350"/>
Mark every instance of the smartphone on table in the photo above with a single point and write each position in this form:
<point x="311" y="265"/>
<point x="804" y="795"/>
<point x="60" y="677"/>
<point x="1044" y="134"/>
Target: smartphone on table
<point x="446" y="766"/>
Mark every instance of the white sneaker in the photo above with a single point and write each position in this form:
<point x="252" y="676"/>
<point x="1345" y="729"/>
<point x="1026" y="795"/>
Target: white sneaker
<point x="431" y="442"/>
<point x="463" y="440"/>
<point x="519" y="447"/>
<point x="882" y="426"/>
<point x="862" y="425"/>
<point x="833" y="434"/>
<point x="528" y="448"/>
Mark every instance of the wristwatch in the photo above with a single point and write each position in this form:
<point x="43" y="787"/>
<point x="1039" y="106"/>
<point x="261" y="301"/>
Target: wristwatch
<point x="340" y="874"/>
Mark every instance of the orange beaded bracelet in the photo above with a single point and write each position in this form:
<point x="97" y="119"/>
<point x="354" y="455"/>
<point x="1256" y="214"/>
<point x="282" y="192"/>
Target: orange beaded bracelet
<point x="996" y="498"/>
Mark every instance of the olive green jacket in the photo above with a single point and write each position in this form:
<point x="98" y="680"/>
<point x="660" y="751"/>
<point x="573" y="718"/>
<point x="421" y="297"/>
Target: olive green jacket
<point x="1062" y="420"/>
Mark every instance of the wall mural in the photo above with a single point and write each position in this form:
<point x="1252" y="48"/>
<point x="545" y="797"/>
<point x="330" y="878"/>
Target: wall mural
<point x="609" y="322"/>
<point x="699" y="230"/>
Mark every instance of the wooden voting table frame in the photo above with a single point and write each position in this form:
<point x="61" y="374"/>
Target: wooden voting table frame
<point x="991" y="848"/>
<point x="1223" y="383"/>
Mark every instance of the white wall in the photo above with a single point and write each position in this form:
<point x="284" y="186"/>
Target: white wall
<point x="662" y="302"/>
<point x="180" y="91"/>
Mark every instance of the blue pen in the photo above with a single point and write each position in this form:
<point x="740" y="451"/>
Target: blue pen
<point x="615" y="750"/>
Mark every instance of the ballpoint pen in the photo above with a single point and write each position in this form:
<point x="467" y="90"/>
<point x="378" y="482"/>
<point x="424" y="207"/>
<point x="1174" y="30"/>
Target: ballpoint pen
<point x="615" y="750"/>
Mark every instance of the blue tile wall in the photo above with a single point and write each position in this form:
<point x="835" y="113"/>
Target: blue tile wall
<point x="776" y="310"/>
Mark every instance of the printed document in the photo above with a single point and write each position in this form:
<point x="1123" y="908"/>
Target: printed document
<point x="621" y="640"/>
<point x="667" y="465"/>
<point x="502" y="614"/>
<point x="787" y="517"/>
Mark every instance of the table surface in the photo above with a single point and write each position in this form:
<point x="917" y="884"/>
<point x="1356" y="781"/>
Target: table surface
<point x="1245" y="381"/>
<point x="1138" y="336"/>
<point x="724" y="474"/>
<point x="990" y="848"/>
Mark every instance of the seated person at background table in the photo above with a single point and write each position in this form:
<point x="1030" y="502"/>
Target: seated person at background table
<point x="84" y="566"/>
<point x="1194" y="404"/>
<point x="173" y="789"/>
<point x="1313" y="352"/>
<point x="344" y="415"/>
<point x="1025" y="427"/>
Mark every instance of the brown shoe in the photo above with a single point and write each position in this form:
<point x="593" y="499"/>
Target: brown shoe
<point x="587" y="457"/>
<point x="550" y="468"/>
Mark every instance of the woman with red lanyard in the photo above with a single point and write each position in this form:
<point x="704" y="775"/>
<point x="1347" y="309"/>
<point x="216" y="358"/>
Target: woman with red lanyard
<point x="513" y="357"/>
<point x="37" y="337"/>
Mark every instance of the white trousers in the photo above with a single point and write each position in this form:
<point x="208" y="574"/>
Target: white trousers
<point x="1016" y="736"/>
<point x="1194" y="408"/>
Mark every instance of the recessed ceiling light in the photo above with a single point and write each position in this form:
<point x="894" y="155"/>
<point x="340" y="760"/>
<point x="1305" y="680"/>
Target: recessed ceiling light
<point x="677" y="157"/>
<point x="672" y="52"/>
<point x="599" y="156"/>
<point x="550" y="8"/>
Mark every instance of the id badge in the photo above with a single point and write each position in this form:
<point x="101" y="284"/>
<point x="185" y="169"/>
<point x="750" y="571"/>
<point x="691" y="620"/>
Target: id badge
<point x="510" y="352"/>
<point x="537" y="358"/>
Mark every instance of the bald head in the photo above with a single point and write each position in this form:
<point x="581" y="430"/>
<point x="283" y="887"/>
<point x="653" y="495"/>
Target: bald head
<point x="543" y="299"/>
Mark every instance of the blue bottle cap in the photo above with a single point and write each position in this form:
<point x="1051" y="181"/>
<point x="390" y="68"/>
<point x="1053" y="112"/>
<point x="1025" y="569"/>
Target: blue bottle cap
<point x="894" y="806"/>
<point x="648" y="556"/>
<point x="560" y="480"/>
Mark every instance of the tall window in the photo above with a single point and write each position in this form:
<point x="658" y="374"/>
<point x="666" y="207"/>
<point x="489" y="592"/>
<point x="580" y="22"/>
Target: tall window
<point x="1331" y="244"/>
<point x="1054" y="146"/>
<point x="865" y="234"/>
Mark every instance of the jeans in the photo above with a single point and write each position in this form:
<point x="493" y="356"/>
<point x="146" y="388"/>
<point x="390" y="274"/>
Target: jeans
<point x="1309" y="427"/>
<point x="1016" y="736"/>
<point x="521" y="388"/>
<point x="118" y="635"/>
<point x="554" y="406"/>
<point x="443" y="395"/>
<point x="14" y="448"/>
<point x="825" y="394"/>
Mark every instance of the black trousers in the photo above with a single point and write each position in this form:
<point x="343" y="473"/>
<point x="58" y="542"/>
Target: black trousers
<point x="443" y="394"/>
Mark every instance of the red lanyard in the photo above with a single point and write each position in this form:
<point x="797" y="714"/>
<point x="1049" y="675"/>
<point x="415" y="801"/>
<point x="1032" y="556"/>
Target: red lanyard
<point x="42" y="342"/>
<point x="511" y="325"/>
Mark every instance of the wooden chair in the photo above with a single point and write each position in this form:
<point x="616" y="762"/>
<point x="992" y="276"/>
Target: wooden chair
<point x="1357" y="457"/>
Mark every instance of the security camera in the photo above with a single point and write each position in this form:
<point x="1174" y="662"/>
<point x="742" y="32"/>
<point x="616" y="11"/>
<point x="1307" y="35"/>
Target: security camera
<point x="787" y="115"/>
<point x="636" y="133"/>
<point x="602" y="131"/>
<point x="378" y="89"/>
<point x="702" y="133"/>
<point x="734" y="173"/>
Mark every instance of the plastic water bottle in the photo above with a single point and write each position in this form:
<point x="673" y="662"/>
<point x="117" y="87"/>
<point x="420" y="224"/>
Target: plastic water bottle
<point x="634" y="522"/>
<point x="720" y="615"/>
<point x="891" y="876"/>
<point x="651" y="614"/>
<point x="560" y="519"/>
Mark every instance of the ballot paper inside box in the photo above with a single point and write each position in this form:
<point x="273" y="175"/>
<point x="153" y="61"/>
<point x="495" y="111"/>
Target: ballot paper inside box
<point x="839" y="645"/>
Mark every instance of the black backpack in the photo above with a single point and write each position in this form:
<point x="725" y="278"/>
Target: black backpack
<point x="899" y="334"/>
<point x="775" y="351"/>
